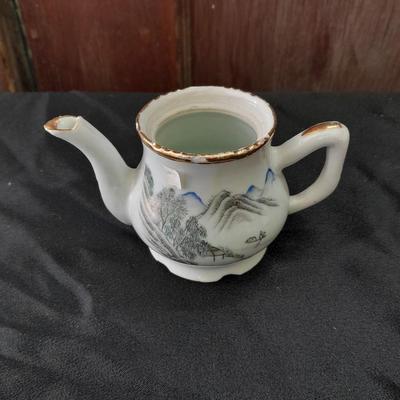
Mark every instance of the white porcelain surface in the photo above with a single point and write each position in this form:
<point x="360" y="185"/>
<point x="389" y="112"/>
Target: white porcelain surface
<point x="208" y="274"/>
<point x="249" y="108"/>
<point x="206" y="220"/>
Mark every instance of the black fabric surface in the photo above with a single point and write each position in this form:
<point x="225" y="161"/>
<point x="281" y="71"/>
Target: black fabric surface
<point x="86" y="313"/>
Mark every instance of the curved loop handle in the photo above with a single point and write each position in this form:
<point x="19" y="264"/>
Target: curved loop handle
<point x="332" y="135"/>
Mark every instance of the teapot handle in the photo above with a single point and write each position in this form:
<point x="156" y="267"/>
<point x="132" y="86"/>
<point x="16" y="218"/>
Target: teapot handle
<point x="332" y="135"/>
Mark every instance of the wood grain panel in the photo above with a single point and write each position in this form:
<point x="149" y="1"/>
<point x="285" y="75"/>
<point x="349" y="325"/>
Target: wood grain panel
<point x="121" y="45"/>
<point x="185" y="41"/>
<point x="15" y="73"/>
<point x="297" y="44"/>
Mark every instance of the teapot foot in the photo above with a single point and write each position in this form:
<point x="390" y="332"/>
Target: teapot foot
<point x="208" y="273"/>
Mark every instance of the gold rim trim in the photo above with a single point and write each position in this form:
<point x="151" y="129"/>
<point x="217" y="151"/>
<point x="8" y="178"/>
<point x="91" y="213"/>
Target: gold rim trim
<point x="201" y="158"/>
<point x="322" y="126"/>
<point x="52" y="125"/>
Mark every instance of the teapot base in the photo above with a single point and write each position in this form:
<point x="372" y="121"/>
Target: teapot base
<point x="208" y="273"/>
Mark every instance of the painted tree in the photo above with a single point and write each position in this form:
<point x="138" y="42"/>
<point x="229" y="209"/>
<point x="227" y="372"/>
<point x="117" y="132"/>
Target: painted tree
<point x="193" y="243"/>
<point x="172" y="211"/>
<point x="149" y="180"/>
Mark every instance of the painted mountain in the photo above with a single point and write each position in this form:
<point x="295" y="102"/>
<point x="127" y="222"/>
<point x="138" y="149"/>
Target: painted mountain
<point x="226" y="210"/>
<point x="183" y="227"/>
<point x="254" y="192"/>
<point x="194" y="203"/>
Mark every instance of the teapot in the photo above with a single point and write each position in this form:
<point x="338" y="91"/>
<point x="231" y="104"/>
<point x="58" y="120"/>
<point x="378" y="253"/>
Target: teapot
<point x="207" y="215"/>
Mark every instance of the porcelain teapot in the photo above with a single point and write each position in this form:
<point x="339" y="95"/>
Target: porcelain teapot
<point x="207" y="215"/>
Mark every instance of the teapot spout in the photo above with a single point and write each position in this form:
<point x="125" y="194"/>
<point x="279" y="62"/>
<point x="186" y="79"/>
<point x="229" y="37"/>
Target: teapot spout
<point x="114" y="177"/>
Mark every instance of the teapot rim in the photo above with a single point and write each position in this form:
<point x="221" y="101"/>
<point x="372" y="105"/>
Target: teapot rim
<point x="204" y="158"/>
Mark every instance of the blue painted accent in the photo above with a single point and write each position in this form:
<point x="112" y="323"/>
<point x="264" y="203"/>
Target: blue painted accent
<point x="270" y="175"/>
<point x="269" y="178"/>
<point x="195" y="195"/>
<point x="250" y="189"/>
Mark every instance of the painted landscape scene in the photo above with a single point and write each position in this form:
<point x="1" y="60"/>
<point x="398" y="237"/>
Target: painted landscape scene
<point x="181" y="226"/>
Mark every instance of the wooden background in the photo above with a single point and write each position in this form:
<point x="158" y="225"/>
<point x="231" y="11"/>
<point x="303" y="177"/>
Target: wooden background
<point x="159" y="45"/>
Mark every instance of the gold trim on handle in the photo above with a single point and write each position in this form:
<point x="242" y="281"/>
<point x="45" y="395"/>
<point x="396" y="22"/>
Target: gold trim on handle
<point x="322" y="126"/>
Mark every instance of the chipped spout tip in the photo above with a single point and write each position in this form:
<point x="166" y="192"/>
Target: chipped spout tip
<point x="61" y="123"/>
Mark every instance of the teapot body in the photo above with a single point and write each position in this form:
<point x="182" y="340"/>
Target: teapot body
<point x="209" y="214"/>
<point x="206" y="215"/>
